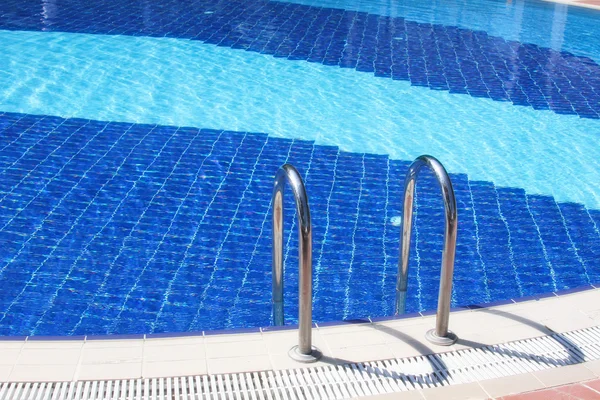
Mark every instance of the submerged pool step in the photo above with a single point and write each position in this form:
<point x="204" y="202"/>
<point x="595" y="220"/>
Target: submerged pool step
<point x="93" y="214"/>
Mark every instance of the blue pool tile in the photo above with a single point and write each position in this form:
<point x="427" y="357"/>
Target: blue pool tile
<point x="171" y="231"/>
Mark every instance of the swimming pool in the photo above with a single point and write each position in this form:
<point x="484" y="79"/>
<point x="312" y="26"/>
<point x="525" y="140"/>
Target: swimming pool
<point x="137" y="164"/>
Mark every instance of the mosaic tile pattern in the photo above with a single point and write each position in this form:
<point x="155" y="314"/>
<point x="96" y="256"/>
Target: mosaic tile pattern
<point x="120" y="228"/>
<point x="435" y="56"/>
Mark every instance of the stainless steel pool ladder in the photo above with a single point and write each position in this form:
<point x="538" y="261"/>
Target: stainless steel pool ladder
<point x="440" y="335"/>
<point x="304" y="352"/>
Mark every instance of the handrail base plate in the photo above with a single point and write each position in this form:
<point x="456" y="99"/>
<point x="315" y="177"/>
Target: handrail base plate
<point x="447" y="340"/>
<point x="314" y="355"/>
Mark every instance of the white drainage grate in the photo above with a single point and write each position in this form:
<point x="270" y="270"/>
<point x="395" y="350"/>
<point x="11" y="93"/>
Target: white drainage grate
<point x="336" y="382"/>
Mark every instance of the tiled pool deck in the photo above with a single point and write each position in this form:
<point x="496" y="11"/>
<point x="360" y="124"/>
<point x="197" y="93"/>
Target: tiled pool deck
<point x="98" y="358"/>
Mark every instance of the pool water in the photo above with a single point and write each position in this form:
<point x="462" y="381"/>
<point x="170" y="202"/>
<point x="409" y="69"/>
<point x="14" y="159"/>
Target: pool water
<point x="137" y="165"/>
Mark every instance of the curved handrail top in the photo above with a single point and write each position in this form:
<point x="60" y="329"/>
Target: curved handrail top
<point x="289" y="173"/>
<point x="442" y="178"/>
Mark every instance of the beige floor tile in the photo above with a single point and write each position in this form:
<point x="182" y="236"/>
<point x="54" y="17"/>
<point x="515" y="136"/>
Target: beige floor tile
<point x="584" y="301"/>
<point x="111" y="355"/>
<point x="594" y="314"/>
<point x="507" y="334"/>
<point x="394" y="333"/>
<point x="239" y="364"/>
<point x="110" y="371"/>
<point x="558" y="310"/>
<point x="236" y="349"/>
<point x="233" y="338"/>
<point x="114" y="343"/>
<point x="282" y="342"/>
<point x="564" y="375"/>
<point x="174" y="368"/>
<point x="465" y="323"/>
<point x="511" y="385"/>
<point x="593" y="366"/>
<point x="42" y="373"/>
<point x="53" y="344"/>
<point x="352" y="339"/>
<point x="573" y="321"/>
<point x="283" y="361"/>
<point x="402" y="323"/>
<point x="5" y="371"/>
<point x="411" y="341"/>
<point x="67" y="356"/>
<point x="11" y="344"/>
<point x="177" y="341"/>
<point x="468" y="391"/>
<point x="174" y="352"/>
<point x="364" y="353"/>
<point x="402" y="350"/>
<point x="9" y="356"/>
<point x="345" y="328"/>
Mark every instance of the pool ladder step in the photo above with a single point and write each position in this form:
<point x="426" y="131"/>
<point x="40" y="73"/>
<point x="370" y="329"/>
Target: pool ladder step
<point x="304" y="351"/>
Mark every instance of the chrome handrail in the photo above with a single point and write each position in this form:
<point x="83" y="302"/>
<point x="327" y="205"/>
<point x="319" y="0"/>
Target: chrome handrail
<point x="304" y="352"/>
<point x="441" y="335"/>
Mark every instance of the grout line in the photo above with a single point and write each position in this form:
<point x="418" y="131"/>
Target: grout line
<point x="79" y="361"/>
<point x="595" y="374"/>
<point x="143" y="353"/>
<point x="485" y="391"/>
<point x="12" y="368"/>
<point x="591" y="388"/>
<point x="204" y="344"/>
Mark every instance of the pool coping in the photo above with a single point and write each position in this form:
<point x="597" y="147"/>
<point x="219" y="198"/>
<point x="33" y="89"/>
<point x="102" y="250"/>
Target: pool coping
<point x="83" y="359"/>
